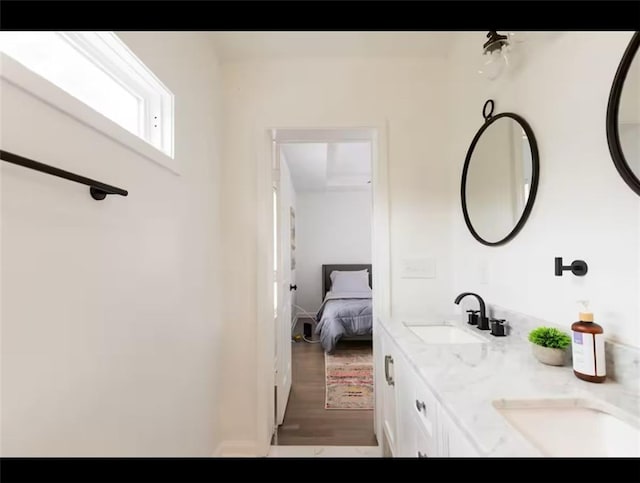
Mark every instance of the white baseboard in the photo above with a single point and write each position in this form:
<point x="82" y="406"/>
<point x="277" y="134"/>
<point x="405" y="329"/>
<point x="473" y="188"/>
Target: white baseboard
<point x="236" y="449"/>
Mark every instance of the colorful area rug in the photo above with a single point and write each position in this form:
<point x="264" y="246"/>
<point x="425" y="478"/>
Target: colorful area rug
<point x="349" y="378"/>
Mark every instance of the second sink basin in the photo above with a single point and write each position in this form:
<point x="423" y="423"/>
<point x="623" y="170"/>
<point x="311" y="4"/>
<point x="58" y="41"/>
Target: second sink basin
<point x="573" y="427"/>
<point x="444" y="334"/>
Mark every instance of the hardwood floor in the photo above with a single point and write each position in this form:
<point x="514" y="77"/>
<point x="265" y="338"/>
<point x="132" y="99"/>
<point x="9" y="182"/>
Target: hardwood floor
<point x="306" y="421"/>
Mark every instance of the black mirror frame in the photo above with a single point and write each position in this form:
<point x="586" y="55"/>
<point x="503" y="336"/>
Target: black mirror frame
<point x="613" y="136"/>
<point x="535" y="173"/>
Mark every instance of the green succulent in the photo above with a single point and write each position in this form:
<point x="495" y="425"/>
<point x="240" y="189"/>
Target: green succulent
<point x="550" y="337"/>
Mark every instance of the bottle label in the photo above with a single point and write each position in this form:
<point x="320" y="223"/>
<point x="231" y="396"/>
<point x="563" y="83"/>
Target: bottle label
<point x="588" y="353"/>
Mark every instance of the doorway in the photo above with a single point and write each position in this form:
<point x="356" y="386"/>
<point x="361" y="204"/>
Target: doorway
<point x="286" y="316"/>
<point x="323" y="218"/>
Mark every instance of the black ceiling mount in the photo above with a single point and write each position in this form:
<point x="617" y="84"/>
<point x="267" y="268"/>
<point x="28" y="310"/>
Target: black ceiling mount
<point x="495" y="42"/>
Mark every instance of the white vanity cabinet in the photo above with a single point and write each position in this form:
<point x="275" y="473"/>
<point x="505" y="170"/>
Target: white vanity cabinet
<point x="413" y="423"/>
<point x="453" y="441"/>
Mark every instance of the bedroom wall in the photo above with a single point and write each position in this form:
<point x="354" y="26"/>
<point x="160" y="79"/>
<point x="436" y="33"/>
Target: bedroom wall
<point x="333" y="227"/>
<point x="583" y="209"/>
<point x="406" y="94"/>
<point x="110" y="313"/>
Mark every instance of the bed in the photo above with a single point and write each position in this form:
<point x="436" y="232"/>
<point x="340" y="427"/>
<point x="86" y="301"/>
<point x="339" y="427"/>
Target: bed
<point x="344" y="315"/>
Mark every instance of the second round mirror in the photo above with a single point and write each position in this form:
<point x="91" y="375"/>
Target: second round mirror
<point x="623" y="116"/>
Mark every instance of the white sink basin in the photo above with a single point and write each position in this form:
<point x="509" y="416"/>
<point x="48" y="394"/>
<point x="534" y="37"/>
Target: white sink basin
<point x="445" y="334"/>
<point x="573" y="427"/>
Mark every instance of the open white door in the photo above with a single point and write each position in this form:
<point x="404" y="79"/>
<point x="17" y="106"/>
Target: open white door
<point x="283" y="281"/>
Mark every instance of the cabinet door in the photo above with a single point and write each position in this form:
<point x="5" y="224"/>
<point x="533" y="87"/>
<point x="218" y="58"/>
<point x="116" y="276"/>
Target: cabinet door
<point x="454" y="442"/>
<point x="405" y="409"/>
<point x="378" y="384"/>
<point x="389" y="357"/>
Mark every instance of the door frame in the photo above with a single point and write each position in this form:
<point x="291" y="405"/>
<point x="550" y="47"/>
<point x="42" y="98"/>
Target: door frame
<point x="265" y="376"/>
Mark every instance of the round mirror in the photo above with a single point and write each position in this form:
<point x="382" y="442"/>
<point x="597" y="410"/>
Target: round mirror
<point x="623" y="116"/>
<point x="499" y="178"/>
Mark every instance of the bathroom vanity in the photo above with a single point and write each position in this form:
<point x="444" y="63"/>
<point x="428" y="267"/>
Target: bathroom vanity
<point x="452" y="390"/>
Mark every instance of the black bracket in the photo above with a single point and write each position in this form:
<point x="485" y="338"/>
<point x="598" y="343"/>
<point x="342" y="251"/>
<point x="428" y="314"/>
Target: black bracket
<point x="97" y="193"/>
<point x="293" y="287"/>
<point x="578" y="267"/>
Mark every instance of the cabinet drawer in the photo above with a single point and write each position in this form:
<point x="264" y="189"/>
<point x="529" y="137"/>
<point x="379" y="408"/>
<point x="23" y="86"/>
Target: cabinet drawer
<point x="425" y="443"/>
<point x="424" y="406"/>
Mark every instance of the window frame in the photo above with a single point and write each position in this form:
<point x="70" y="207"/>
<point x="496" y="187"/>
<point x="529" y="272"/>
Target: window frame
<point x="111" y="55"/>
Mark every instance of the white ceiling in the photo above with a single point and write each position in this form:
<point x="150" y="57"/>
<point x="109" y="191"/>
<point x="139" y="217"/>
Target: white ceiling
<point x="334" y="166"/>
<point x="247" y="45"/>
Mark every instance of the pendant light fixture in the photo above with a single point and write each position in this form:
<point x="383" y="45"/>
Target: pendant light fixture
<point x="495" y="58"/>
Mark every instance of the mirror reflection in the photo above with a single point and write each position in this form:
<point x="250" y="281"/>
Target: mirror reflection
<point x="499" y="179"/>
<point x="629" y="117"/>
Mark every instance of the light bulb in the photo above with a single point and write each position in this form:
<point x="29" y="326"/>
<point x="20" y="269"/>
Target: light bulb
<point x="494" y="63"/>
<point x="517" y="37"/>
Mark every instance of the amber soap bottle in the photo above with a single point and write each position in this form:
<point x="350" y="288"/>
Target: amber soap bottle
<point x="587" y="348"/>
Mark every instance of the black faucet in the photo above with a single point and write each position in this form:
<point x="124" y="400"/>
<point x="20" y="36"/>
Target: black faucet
<point x="483" y="322"/>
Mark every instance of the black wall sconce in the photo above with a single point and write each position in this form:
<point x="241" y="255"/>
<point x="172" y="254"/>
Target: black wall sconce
<point x="578" y="267"/>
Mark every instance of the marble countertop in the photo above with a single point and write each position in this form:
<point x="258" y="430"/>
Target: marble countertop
<point x="467" y="378"/>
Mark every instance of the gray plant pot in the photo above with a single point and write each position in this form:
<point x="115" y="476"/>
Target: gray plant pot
<point x="547" y="355"/>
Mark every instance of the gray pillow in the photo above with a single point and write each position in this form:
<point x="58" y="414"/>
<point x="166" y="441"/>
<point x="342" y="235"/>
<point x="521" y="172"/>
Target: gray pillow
<point x="350" y="281"/>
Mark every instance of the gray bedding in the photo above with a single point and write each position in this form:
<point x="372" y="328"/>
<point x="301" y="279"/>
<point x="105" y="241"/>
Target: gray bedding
<point x="343" y="315"/>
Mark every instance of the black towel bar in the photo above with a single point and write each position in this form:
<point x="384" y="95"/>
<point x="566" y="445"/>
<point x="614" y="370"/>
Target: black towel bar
<point x="98" y="190"/>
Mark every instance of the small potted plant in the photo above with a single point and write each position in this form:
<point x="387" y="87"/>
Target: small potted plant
<point x="549" y="345"/>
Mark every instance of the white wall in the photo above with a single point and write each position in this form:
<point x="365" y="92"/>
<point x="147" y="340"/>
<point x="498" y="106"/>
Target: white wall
<point x="110" y="310"/>
<point x="407" y="94"/>
<point x="333" y="227"/>
<point x="583" y="209"/>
